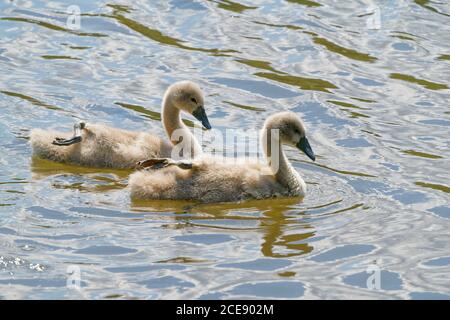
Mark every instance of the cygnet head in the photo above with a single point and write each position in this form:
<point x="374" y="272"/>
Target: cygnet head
<point x="187" y="96"/>
<point x="291" y="131"/>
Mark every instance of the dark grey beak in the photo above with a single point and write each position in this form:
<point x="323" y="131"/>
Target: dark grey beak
<point x="200" y="115"/>
<point x="303" y="145"/>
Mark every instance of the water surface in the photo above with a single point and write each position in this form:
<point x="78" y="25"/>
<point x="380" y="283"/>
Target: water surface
<point x="375" y="101"/>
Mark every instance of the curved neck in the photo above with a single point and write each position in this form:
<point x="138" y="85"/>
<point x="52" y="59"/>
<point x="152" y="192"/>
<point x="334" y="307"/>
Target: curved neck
<point x="171" y="118"/>
<point x="281" y="168"/>
<point x="175" y="128"/>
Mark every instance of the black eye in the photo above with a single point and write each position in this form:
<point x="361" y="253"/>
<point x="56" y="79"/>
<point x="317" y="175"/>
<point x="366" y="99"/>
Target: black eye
<point x="193" y="100"/>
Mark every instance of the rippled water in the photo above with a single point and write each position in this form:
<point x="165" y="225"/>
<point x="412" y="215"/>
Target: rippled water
<point x="375" y="100"/>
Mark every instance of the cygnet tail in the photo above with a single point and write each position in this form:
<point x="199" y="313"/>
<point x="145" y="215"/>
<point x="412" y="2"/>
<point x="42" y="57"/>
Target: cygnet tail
<point x="42" y="144"/>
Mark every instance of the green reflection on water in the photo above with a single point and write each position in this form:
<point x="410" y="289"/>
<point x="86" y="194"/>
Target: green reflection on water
<point x="183" y="260"/>
<point x="120" y="7"/>
<point x="424" y="83"/>
<point x="307" y="3"/>
<point x="425" y="4"/>
<point x="344" y="104"/>
<point x="355" y="206"/>
<point x="141" y="110"/>
<point x="354" y="114"/>
<point x="363" y="100"/>
<point x="15" y="192"/>
<point x="421" y="154"/>
<point x="245" y="107"/>
<point x="349" y="53"/>
<point x="288" y="26"/>
<point x="325" y="205"/>
<point x="53" y="27"/>
<point x="157" y="36"/>
<point x="345" y="172"/>
<point x="279" y="76"/>
<point x="258" y="64"/>
<point x="444" y="57"/>
<point x="330" y="46"/>
<point x="55" y="57"/>
<point x="115" y="296"/>
<point x="153" y="115"/>
<point x="79" y="47"/>
<point x="300" y="82"/>
<point x="372" y="133"/>
<point x="32" y="100"/>
<point x="13" y="182"/>
<point x="401" y="37"/>
<point x="433" y="186"/>
<point x="232" y="6"/>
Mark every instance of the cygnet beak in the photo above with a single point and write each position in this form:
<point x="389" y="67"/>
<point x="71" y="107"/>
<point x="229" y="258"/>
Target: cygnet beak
<point x="200" y="115"/>
<point x="303" y="145"/>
